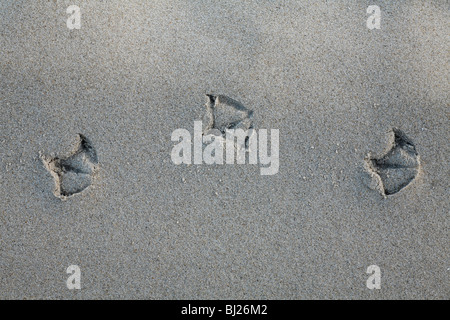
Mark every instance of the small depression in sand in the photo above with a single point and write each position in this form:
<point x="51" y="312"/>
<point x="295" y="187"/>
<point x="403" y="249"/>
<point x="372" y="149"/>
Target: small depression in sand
<point x="397" y="168"/>
<point x="224" y="113"/>
<point x="74" y="173"/>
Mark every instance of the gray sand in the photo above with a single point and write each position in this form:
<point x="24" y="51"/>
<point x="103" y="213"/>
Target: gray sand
<point x="149" y="229"/>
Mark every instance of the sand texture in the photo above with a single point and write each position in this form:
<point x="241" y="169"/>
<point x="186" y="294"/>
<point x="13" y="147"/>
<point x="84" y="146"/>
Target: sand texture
<point x="87" y="177"/>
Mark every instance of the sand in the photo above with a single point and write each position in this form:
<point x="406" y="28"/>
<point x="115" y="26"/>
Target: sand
<point x="145" y="228"/>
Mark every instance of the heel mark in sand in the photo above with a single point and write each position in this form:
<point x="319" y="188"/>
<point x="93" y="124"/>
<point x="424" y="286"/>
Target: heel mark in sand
<point x="397" y="168"/>
<point x="74" y="173"/>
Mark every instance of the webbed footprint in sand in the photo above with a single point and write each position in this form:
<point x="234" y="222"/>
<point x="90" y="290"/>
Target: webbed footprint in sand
<point x="74" y="173"/>
<point x="225" y="113"/>
<point x="397" y="168"/>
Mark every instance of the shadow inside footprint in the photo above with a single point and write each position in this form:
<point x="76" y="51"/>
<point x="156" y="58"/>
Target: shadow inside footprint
<point x="74" y="173"/>
<point x="398" y="167"/>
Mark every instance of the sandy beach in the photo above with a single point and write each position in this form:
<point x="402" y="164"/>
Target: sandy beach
<point x="87" y="176"/>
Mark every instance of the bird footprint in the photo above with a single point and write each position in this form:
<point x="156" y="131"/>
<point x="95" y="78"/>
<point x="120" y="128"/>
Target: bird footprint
<point x="74" y="173"/>
<point x="397" y="168"/>
<point x="225" y="113"/>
